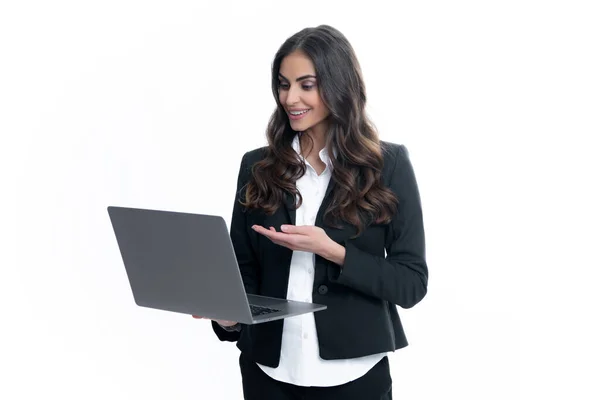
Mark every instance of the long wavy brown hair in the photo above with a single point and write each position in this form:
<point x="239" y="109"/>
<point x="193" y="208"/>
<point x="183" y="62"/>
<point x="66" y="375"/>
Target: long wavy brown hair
<point x="359" y="198"/>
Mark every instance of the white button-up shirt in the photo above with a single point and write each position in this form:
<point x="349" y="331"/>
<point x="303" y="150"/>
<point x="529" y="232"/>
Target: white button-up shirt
<point x="300" y="363"/>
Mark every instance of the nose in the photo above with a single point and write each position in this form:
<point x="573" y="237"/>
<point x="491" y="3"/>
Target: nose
<point x="293" y="96"/>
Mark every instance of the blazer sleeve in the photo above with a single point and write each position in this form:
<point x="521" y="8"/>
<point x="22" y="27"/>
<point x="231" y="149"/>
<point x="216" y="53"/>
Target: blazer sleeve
<point x="401" y="277"/>
<point x="244" y="252"/>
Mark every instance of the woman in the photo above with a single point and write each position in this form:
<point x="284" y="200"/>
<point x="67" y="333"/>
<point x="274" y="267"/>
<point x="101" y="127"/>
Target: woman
<point x="356" y="197"/>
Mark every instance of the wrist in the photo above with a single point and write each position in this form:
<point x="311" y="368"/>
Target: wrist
<point x="335" y="253"/>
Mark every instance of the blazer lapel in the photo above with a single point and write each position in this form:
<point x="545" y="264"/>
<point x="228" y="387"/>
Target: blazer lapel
<point x="290" y="206"/>
<point x="325" y="202"/>
<point x="329" y="188"/>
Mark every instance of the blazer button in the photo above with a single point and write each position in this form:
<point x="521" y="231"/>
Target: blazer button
<point x="323" y="289"/>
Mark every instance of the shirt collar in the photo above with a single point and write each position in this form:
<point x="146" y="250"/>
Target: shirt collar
<point x="323" y="154"/>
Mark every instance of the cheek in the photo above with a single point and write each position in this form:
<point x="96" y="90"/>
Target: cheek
<point x="318" y="103"/>
<point x="282" y="97"/>
<point x="321" y="108"/>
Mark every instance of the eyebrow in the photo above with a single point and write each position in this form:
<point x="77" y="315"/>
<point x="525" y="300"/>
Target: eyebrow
<point x="299" y="79"/>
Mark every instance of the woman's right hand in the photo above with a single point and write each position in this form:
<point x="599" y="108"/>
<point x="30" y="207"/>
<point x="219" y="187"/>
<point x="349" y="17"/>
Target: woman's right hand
<point x="219" y="321"/>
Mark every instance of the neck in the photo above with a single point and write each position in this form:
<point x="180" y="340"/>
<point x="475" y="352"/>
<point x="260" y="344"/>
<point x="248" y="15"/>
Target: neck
<point x="318" y="134"/>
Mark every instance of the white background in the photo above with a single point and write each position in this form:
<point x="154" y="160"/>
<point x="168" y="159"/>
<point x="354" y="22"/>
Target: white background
<point x="152" y="104"/>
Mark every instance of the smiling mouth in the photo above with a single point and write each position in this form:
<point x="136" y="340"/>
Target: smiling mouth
<point x="296" y="115"/>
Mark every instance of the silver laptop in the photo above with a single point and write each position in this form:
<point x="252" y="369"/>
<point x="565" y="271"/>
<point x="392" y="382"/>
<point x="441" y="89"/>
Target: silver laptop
<point x="186" y="263"/>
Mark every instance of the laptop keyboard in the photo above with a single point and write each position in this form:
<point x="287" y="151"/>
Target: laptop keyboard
<point x="259" y="310"/>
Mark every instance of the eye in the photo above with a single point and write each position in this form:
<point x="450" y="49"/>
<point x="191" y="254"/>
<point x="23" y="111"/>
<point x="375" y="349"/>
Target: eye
<point x="308" y="87"/>
<point x="282" y="85"/>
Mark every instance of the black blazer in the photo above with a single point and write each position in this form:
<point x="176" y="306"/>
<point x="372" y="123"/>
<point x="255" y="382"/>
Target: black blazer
<point x="361" y="298"/>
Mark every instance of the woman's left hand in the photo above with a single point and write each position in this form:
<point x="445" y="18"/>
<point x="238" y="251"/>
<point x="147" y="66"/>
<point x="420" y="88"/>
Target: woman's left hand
<point x="312" y="239"/>
<point x="307" y="238"/>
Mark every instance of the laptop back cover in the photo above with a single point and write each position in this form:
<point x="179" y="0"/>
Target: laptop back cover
<point x="180" y="262"/>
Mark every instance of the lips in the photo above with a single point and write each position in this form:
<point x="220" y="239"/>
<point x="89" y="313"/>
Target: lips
<point x="298" y="114"/>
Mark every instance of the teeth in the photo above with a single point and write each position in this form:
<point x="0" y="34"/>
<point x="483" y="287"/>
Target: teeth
<point x="298" y="112"/>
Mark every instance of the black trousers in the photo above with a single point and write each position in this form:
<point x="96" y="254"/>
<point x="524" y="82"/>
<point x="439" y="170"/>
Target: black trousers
<point x="374" y="385"/>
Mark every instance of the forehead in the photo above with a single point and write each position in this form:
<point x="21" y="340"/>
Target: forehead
<point x="296" y="64"/>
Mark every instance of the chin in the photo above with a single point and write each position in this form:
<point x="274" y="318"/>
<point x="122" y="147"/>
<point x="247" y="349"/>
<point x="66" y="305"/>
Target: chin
<point x="300" y="127"/>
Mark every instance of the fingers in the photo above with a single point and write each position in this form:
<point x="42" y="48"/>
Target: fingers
<point x="266" y="232"/>
<point x="219" y="321"/>
<point x="299" y="229"/>
<point x="279" y="238"/>
<point x="263" y="230"/>
<point x="293" y="229"/>
<point x="226" y="323"/>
